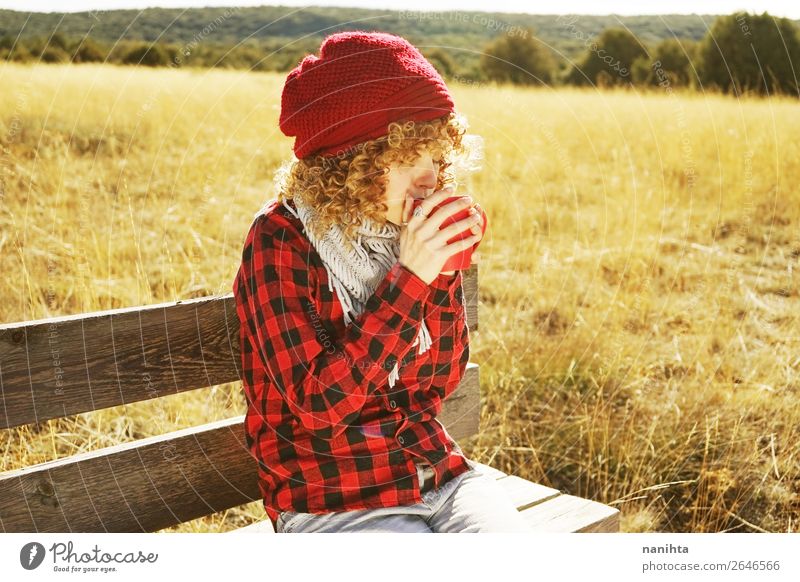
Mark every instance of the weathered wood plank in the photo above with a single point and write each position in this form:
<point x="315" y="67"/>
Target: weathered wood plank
<point x="260" y="526"/>
<point x="489" y="470"/>
<point x="68" y="365"/>
<point x="61" y="366"/>
<point x="161" y="481"/>
<point x="567" y="513"/>
<point x="524" y="493"/>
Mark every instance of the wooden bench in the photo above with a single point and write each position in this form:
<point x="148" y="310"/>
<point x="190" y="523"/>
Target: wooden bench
<point x="52" y="368"/>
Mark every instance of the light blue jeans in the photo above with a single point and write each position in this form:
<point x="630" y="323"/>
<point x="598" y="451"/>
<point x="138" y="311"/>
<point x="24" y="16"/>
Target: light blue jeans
<point x="471" y="502"/>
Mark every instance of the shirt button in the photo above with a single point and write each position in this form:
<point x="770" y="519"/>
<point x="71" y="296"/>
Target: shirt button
<point x="401" y="440"/>
<point x="392" y="404"/>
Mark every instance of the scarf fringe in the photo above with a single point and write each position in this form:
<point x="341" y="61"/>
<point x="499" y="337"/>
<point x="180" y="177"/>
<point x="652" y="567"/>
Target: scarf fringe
<point x="355" y="274"/>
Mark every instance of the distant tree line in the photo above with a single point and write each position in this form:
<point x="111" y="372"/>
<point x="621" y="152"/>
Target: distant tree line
<point x="742" y="53"/>
<point x="258" y="55"/>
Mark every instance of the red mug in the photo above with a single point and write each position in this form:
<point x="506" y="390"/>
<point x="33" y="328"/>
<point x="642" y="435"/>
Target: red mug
<point x="462" y="259"/>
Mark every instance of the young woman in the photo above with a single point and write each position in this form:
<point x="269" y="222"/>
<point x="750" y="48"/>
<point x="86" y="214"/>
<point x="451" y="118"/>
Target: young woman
<point x="351" y="334"/>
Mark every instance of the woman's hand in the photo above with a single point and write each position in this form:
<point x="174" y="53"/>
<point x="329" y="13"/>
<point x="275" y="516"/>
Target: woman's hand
<point x="423" y="246"/>
<point x="476" y="229"/>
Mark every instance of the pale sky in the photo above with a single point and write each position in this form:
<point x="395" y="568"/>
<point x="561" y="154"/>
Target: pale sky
<point x="790" y="9"/>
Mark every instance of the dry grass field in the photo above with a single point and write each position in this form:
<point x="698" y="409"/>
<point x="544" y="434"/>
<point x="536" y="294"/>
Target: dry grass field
<point x="639" y="334"/>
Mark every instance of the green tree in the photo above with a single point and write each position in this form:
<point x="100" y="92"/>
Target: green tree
<point x="750" y="53"/>
<point x="11" y="50"/>
<point x="441" y="61"/>
<point x="670" y="62"/>
<point x="517" y="58"/>
<point x="145" y="54"/>
<point x="88" y="51"/>
<point x="613" y="53"/>
<point x="6" y="42"/>
<point x="59" y="41"/>
<point x="54" y="54"/>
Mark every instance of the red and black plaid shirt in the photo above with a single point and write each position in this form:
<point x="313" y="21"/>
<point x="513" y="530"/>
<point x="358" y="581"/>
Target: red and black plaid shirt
<point x="328" y="432"/>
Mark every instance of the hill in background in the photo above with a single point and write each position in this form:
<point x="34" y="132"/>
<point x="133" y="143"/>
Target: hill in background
<point x="293" y="32"/>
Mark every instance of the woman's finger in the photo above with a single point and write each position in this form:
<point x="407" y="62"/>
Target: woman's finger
<point x="407" y="209"/>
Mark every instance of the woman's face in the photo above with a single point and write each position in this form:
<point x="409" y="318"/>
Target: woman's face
<point x="417" y="180"/>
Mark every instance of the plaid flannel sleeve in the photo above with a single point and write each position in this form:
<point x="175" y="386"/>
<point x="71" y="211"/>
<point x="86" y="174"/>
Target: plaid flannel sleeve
<point x="325" y="384"/>
<point x="445" y="316"/>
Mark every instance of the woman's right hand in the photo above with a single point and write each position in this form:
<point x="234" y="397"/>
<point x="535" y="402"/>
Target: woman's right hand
<point x="423" y="247"/>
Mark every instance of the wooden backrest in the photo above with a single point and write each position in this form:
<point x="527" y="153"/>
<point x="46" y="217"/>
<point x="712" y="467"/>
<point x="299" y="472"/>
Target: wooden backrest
<point x="61" y="366"/>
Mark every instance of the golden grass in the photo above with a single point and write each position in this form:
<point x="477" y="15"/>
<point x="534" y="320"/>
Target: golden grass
<point x="638" y="297"/>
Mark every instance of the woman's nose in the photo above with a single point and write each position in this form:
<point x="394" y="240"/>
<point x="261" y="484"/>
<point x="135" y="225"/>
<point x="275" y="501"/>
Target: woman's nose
<point x="428" y="174"/>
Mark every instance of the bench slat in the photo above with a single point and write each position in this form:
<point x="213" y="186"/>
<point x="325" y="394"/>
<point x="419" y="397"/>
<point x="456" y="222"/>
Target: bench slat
<point x="78" y="363"/>
<point x="525" y="494"/>
<point x="489" y="470"/>
<point x="158" y="482"/>
<point x="568" y="513"/>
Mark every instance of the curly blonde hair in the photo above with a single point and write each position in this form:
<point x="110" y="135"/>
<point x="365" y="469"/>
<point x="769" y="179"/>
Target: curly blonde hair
<point x="348" y="187"/>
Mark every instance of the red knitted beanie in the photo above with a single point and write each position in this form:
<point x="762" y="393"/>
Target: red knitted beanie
<point x="360" y="82"/>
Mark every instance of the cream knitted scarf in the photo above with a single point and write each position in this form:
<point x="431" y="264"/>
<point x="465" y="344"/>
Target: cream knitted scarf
<point x="354" y="274"/>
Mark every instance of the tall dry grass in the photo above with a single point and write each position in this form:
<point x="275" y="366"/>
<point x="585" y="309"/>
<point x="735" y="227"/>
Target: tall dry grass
<point x="638" y="340"/>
